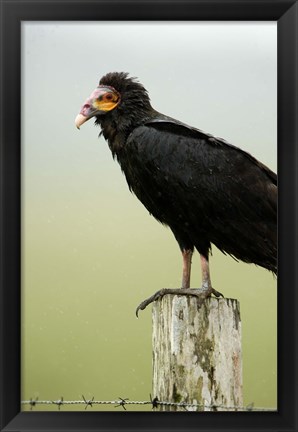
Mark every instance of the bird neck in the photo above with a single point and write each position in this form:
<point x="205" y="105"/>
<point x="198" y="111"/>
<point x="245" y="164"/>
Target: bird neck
<point x="116" y="128"/>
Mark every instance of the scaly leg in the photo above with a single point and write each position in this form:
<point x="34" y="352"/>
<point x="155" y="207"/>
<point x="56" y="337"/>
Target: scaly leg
<point x="186" y="256"/>
<point x="206" y="280"/>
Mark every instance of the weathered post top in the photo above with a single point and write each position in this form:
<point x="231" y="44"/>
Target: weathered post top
<point x="197" y="355"/>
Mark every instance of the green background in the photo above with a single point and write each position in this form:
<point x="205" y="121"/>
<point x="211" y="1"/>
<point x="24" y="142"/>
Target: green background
<point x="90" y="250"/>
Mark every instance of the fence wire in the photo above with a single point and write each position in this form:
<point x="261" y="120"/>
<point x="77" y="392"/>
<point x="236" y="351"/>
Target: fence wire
<point x="154" y="402"/>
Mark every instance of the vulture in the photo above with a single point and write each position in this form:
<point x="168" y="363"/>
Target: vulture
<point x="206" y="190"/>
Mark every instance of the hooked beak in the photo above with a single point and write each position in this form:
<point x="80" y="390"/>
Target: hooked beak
<point x="101" y="100"/>
<point x="79" y="120"/>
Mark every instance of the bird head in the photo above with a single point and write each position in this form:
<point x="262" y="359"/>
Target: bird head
<point x="102" y="100"/>
<point x="115" y="95"/>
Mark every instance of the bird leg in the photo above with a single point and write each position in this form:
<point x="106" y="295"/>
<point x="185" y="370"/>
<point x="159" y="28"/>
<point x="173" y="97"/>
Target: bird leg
<point x="186" y="256"/>
<point x="206" y="280"/>
<point x="201" y="293"/>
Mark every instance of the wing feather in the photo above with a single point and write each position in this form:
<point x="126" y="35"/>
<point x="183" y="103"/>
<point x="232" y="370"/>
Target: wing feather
<point x="200" y="184"/>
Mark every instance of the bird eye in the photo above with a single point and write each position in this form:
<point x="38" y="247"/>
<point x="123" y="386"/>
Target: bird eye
<point x="109" y="96"/>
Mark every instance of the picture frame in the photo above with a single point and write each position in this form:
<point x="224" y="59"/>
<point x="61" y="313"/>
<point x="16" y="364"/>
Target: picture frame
<point x="13" y="13"/>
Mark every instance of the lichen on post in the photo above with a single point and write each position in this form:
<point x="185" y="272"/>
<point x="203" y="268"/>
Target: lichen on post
<point x="197" y="355"/>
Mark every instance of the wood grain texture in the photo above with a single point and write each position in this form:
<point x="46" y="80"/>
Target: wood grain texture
<point x="197" y="352"/>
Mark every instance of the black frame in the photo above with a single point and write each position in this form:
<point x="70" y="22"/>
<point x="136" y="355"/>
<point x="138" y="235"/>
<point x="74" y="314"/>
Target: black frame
<point x="285" y="12"/>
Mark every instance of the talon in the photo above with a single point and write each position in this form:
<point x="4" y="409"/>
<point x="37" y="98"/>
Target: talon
<point x="217" y="293"/>
<point x="151" y="299"/>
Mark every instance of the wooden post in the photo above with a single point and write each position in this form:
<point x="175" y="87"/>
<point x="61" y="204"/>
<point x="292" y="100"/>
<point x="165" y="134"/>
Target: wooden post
<point x="197" y="353"/>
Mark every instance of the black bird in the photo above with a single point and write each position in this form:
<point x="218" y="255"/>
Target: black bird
<point x="205" y="189"/>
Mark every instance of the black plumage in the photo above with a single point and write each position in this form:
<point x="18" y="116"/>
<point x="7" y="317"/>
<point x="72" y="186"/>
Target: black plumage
<point x="205" y="189"/>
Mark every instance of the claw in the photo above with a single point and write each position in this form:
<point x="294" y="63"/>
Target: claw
<point x="154" y="297"/>
<point x="217" y="293"/>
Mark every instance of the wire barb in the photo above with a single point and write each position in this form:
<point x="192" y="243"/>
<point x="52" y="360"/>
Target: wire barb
<point x="33" y="403"/>
<point x="88" y="402"/>
<point x="122" y="403"/>
<point x="154" y="402"/>
<point x="58" y="402"/>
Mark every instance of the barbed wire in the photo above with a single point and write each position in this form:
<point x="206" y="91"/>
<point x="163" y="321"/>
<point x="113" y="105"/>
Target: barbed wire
<point x="154" y="402"/>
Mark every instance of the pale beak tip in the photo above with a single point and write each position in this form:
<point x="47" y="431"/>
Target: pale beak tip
<point x="79" y="120"/>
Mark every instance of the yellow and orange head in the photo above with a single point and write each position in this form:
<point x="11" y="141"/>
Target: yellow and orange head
<point x="102" y="100"/>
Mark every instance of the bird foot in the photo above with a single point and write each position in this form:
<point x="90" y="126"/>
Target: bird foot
<point x="200" y="293"/>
